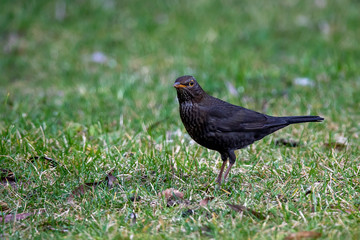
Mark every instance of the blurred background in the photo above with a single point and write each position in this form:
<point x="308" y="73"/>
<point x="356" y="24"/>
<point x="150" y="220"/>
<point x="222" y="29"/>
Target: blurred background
<point x="89" y="84"/>
<point x="107" y="61"/>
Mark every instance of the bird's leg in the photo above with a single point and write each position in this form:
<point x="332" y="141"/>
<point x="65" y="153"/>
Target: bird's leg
<point x="232" y="159"/>
<point x="224" y="159"/>
<point x="219" y="177"/>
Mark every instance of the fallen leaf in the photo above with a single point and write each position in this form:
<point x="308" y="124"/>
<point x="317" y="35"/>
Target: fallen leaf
<point x="339" y="143"/>
<point x="171" y="202"/>
<point x="241" y="208"/>
<point x="281" y="198"/>
<point x="347" y="210"/>
<point x="7" y="174"/>
<point x="286" y="142"/>
<point x="3" y="206"/>
<point x="335" y="145"/>
<point x="302" y="235"/>
<point x="148" y="176"/>
<point x="205" y="201"/>
<point x="14" y="217"/>
<point x="20" y="216"/>
<point x="77" y="192"/>
<point x="187" y="213"/>
<point x="171" y="192"/>
<point x="7" y="177"/>
<point x="135" y="198"/>
<point x="52" y="162"/>
<point x="109" y="180"/>
<point x="128" y="154"/>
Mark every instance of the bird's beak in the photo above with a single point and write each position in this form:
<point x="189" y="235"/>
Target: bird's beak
<point x="178" y="85"/>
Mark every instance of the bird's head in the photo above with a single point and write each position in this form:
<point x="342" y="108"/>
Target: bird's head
<point x="188" y="89"/>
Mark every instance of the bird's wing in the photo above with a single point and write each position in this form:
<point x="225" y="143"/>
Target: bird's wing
<point x="231" y="118"/>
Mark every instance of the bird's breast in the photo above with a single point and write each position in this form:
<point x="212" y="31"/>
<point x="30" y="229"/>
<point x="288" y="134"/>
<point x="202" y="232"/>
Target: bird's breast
<point x="193" y="119"/>
<point x="197" y="125"/>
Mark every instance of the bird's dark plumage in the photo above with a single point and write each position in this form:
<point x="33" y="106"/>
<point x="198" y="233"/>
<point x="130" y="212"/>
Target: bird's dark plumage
<point x="224" y="127"/>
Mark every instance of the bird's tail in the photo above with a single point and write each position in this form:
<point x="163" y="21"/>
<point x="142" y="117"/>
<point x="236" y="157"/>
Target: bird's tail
<point x="301" y="119"/>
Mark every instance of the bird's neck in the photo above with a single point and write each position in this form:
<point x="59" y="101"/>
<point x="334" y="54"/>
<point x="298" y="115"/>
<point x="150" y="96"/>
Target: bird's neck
<point x="192" y="100"/>
<point x="200" y="97"/>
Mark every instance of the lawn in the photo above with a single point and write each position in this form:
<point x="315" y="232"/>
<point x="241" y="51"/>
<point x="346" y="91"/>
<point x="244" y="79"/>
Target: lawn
<point x="90" y="133"/>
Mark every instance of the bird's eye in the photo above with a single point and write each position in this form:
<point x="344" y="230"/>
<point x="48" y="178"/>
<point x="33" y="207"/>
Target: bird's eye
<point x="191" y="83"/>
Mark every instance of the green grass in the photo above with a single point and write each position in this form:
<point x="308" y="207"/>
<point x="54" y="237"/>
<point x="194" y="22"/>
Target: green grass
<point x="89" y="117"/>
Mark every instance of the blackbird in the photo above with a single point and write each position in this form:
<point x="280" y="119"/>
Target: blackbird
<point x="224" y="127"/>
